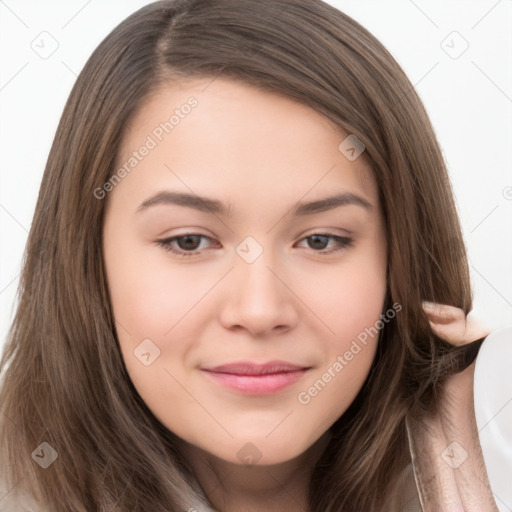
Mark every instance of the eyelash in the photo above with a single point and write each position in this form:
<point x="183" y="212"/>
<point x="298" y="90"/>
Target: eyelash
<point x="344" y="242"/>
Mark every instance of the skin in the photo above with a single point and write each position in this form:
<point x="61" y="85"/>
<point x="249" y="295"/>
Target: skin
<point x="261" y="153"/>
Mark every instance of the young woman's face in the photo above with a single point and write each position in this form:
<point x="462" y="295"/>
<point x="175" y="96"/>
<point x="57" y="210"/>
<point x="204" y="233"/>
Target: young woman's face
<point x="262" y="272"/>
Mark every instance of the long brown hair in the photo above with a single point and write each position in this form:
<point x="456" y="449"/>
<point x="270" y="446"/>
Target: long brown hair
<point x="64" y="381"/>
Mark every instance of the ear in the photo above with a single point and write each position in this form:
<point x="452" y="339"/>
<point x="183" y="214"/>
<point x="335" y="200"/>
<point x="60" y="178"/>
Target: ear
<point x="452" y="325"/>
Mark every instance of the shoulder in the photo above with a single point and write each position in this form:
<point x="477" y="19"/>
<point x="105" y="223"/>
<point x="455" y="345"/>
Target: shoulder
<point x="493" y="410"/>
<point x="12" y="500"/>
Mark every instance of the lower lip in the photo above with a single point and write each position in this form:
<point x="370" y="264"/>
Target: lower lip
<point x="257" y="384"/>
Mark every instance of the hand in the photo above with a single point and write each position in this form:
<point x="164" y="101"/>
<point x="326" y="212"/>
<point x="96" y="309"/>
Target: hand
<point x="452" y="325"/>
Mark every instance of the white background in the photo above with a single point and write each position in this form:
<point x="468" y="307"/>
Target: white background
<point x="469" y="99"/>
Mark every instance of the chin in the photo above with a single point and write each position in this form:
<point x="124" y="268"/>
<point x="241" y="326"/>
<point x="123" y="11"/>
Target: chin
<point x="261" y="451"/>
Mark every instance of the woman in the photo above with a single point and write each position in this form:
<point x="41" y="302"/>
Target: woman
<point x="260" y="371"/>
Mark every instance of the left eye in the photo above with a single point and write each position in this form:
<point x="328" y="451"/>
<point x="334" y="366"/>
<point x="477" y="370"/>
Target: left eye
<point x="188" y="244"/>
<point x="323" y="238"/>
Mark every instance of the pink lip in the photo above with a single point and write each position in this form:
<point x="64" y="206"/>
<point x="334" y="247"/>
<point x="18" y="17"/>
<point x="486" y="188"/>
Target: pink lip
<point x="256" y="379"/>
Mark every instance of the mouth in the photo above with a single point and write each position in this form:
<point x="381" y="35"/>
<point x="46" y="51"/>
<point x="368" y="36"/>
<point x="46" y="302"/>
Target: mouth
<point x="256" y="379"/>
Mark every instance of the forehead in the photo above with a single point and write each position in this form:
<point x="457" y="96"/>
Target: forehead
<point x="224" y="138"/>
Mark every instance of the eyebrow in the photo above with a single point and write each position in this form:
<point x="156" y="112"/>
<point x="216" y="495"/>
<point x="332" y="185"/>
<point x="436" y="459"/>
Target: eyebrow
<point x="214" y="206"/>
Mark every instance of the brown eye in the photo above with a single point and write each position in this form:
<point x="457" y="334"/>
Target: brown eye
<point x="319" y="241"/>
<point x="188" y="244"/>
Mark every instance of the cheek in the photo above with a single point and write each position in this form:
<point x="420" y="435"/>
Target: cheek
<point x="151" y="298"/>
<point x="160" y="302"/>
<point x="348" y="298"/>
<point x="151" y="304"/>
<point x="351" y="307"/>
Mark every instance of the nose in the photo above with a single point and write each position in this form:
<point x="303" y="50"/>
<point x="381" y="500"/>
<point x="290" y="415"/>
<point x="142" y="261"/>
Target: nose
<point x="259" y="298"/>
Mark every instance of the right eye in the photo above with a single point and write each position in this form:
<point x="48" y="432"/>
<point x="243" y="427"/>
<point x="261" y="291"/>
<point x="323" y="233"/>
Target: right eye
<point x="188" y="243"/>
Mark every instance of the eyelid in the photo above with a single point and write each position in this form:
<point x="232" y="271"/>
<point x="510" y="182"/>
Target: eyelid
<point x="328" y="231"/>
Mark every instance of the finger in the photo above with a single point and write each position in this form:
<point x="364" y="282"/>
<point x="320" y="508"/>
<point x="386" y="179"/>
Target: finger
<point x="442" y="313"/>
<point x="452" y="325"/>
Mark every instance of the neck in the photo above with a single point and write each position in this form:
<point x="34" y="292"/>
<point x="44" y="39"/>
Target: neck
<point x="234" y="487"/>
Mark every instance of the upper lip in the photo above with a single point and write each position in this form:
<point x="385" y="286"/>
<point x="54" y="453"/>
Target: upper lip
<point x="250" y="368"/>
